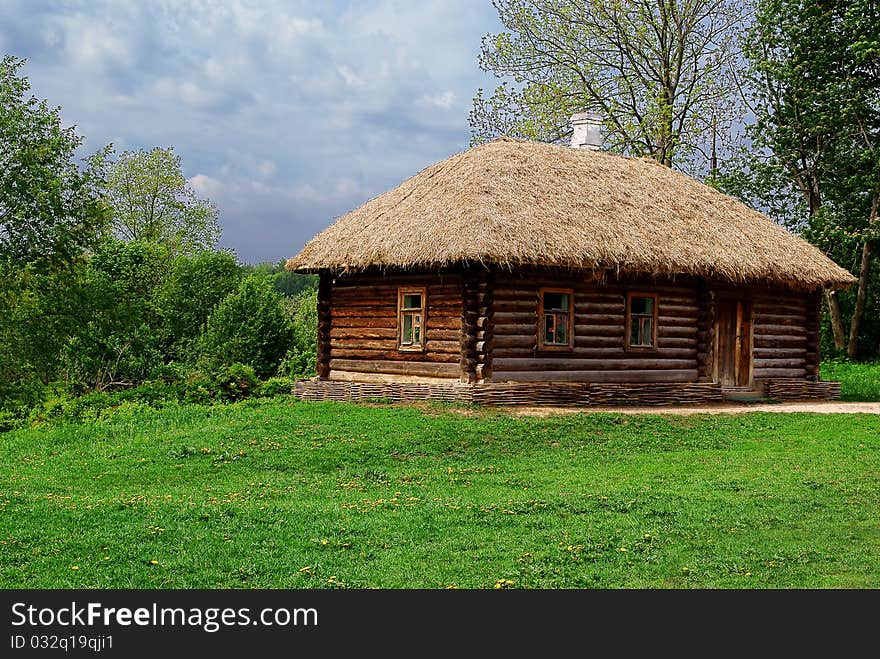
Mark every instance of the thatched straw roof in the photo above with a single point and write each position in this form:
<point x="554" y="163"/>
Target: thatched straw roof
<point x="516" y="203"/>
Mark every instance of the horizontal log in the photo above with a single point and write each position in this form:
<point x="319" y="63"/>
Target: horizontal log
<point x="780" y="319"/>
<point x="443" y="322"/>
<point x="502" y="293"/>
<point x="777" y="340"/>
<point x="402" y="368"/>
<point x="365" y="312"/>
<point x="598" y="354"/>
<point x="380" y="302"/>
<point x="680" y="332"/>
<point x="789" y="330"/>
<point x="515" y="318"/>
<point x="363" y="333"/>
<point x="444" y="298"/>
<point x="769" y="353"/>
<point x="678" y="310"/>
<point x="357" y="335"/>
<point x="502" y="305"/>
<point x="435" y="334"/>
<point x="688" y="375"/>
<point x="515" y="341"/>
<point x="762" y="308"/>
<point x="515" y="329"/>
<point x="355" y="376"/>
<point x="676" y="342"/>
<point x="393" y="355"/>
<point x="443" y="346"/>
<point x="364" y="321"/>
<point x="587" y="341"/>
<point x="797" y="362"/>
<point x="576" y="363"/>
<point x="760" y="373"/>
<point x="598" y="330"/>
<point x="599" y="319"/>
<point x="589" y="306"/>
<point x="674" y="321"/>
<point x="678" y="300"/>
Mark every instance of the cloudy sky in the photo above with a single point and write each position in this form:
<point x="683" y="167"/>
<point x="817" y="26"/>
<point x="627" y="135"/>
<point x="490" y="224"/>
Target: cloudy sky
<point x="287" y="114"/>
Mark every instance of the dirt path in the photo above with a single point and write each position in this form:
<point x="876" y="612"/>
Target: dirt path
<point x="831" y="407"/>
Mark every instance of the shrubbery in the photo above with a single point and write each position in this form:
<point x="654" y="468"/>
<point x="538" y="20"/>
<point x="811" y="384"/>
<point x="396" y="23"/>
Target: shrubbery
<point x="131" y="328"/>
<point x="248" y="327"/>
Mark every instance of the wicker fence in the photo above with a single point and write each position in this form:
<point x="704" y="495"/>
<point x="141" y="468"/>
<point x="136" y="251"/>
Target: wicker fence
<point x="510" y="393"/>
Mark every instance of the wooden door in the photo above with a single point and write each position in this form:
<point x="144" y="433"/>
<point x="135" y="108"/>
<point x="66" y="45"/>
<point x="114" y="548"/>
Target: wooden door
<point x="733" y="334"/>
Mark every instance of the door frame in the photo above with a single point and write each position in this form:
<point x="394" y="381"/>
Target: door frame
<point x="745" y="337"/>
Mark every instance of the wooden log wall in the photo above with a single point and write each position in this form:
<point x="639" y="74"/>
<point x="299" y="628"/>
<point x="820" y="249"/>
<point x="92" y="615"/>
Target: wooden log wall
<point x="363" y="327"/>
<point x="476" y="327"/>
<point x="705" y="332"/>
<point x="784" y="345"/>
<point x="325" y="286"/>
<point x="813" y="327"/>
<point x="599" y="319"/>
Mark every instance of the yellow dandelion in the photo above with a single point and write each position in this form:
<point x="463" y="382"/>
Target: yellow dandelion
<point x="154" y="562"/>
<point x="74" y="567"/>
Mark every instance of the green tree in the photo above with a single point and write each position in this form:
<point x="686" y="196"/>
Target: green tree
<point x="249" y="327"/>
<point x="291" y="284"/>
<point x="813" y="86"/>
<point x="152" y="201"/>
<point x="659" y="72"/>
<point x="194" y="287"/>
<point x="117" y="343"/>
<point x="50" y="212"/>
<point x="302" y="311"/>
<point x="50" y="208"/>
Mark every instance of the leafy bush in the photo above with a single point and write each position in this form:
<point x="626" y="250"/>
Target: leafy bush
<point x="858" y="381"/>
<point x="62" y="406"/>
<point x="248" y="327"/>
<point x="194" y="288"/>
<point x="298" y="365"/>
<point x="302" y="311"/>
<point x="117" y="342"/>
<point x="276" y="387"/>
<point x="210" y="382"/>
<point x="236" y="381"/>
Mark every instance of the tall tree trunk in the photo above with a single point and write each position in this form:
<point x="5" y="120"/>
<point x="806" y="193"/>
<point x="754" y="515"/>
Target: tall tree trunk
<point x="836" y="319"/>
<point x="864" y="272"/>
<point x="861" y="296"/>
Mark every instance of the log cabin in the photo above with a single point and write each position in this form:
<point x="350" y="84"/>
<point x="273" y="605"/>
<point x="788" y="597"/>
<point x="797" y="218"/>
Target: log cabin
<point x="520" y="272"/>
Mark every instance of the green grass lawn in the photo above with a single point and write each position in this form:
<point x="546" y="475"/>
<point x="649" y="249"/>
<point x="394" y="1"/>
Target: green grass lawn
<point x="277" y="493"/>
<point x="857" y="381"/>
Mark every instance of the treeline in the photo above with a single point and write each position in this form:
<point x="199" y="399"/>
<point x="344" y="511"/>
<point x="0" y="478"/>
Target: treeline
<point x="131" y="322"/>
<point x="113" y="290"/>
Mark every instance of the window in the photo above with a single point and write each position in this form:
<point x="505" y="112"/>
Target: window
<point x="411" y="318"/>
<point x="555" y="314"/>
<point x="641" y="321"/>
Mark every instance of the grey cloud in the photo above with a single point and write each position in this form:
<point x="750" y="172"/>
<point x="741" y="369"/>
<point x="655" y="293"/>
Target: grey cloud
<point x="343" y="99"/>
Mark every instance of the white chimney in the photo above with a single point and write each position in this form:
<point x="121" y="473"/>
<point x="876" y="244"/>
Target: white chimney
<point x="587" y="131"/>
